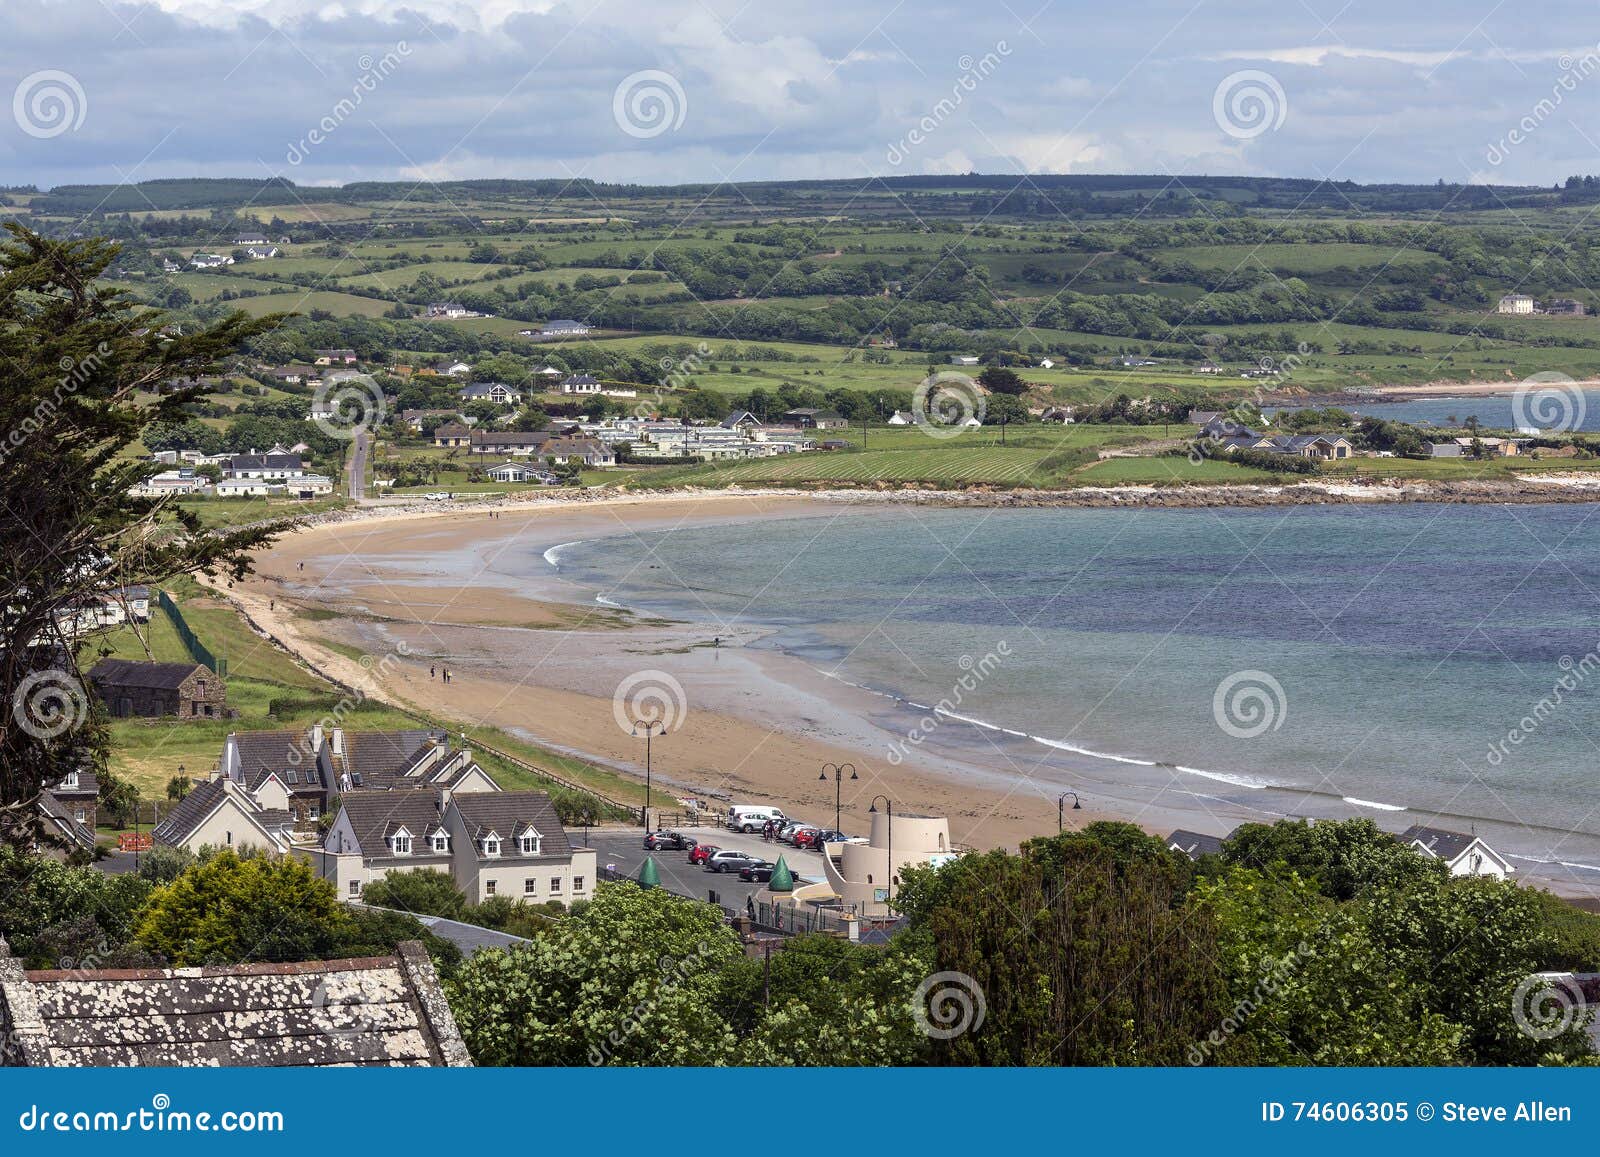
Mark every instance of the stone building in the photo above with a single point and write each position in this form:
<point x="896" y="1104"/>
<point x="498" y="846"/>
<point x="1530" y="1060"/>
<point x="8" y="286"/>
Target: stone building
<point x="129" y="687"/>
<point x="383" y="1010"/>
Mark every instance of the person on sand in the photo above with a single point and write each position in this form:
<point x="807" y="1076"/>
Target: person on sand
<point x="430" y="671"/>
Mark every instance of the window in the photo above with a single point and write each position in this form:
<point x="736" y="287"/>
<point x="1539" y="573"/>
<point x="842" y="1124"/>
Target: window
<point x="79" y="814"/>
<point x="441" y="842"/>
<point x="528" y="845"/>
<point x="491" y="846"/>
<point x="402" y="845"/>
<point x="70" y="782"/>
<point x="530" y="887"/>
<point x="488" y="888"/>
<point x="291" y="776"/>
<point x="312" y="811"/>
<point x="228" y="836"/>
<point x="355" y="887"/>
<point x="555" y="884"/>
<point x="577" y="883"/>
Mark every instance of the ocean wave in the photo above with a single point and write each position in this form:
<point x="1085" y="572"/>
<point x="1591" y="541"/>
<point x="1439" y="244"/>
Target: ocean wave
<point x="1383" y="807"/>
<point x="553" y="555"/>
<point x="1230" y="778"/>
<point x="1076" y="750"/>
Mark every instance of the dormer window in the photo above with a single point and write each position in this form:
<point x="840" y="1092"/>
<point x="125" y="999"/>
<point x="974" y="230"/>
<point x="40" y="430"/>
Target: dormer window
<point x="400" y="843"/>
<point x="528" y="843"/>
<point x="491" y="845"/>
<point x="291" y="776"/>
<point x="441" y="841"/>
<point x="70" y="782"/>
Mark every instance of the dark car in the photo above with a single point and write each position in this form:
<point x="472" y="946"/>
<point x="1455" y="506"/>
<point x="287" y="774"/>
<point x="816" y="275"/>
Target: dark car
<point x="669" y="841"/>
<point x="759" y="872"/>
<point x="815" y="839"/>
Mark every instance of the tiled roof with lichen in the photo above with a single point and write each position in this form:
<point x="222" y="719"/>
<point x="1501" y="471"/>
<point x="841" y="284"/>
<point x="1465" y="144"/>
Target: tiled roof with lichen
<point x="376" y="1011"/>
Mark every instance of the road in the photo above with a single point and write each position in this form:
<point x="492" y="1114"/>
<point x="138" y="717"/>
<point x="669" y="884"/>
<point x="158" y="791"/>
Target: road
<point x="625" y="851"/>
<point x="356" y="468"/>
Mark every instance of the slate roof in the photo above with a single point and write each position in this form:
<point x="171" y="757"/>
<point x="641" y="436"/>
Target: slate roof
<point x="375" y="815"/>
<point x="483" y="438"/>
<point x="136" y="673"/>
<point x="1195" y="844"/>
<point x="88" y="785"/>
<point x="263" y="753"/>
<point x="1445" y="845"/>
<point x="266" y="462"/>
<point x="371" y="757"/>
<point x="70" y="828"/>
<point x="484" y="389"/>
<point x="386" y="1010"/>
<point x="188" y="813"/>
<point x="507" y="812"/>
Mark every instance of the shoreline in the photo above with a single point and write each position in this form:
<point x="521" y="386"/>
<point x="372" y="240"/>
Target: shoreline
<point x="563" y="700"/>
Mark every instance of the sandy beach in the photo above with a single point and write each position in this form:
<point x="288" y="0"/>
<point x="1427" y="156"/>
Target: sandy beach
<point x="537" y="659"/>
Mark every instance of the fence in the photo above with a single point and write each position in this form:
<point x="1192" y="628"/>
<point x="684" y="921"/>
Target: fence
<point x="198" y="651"/>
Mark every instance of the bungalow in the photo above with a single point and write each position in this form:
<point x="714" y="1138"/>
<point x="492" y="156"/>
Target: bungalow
<point x="448" y="309"/>
<point x="260" y="252"/>
<point x="586" y="451"/>
<point x="741" y="420"/>
<point x="272" y="465"/>
<point x="246" y="240"/>
<point x="506" y="443"/>
<point x="1464" y="855"/>
<point x="811" y="419"/>
<point x="293" y="375"/>
<point x="580" y="384"/>
<point x="902" y="418"/>
<point x="335" y="357"/>
<point x="503" y="843"/>
<point x="451" y="434"/>
<point x="963" y="360"/>
<point x="1322" y="447"/>
<point x="458" y="370"/>
<point x="1066" y="415"/>
<point x="210" y="260"/>
<point x="514" y="472"/>
<point x="130" y="687"/>
<point x="1444" y="450"/>
<point x="497" y="393"/>
<point x="564" y="327"/>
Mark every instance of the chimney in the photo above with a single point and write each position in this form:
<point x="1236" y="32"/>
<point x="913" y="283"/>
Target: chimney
<point x="444" y="799"/>
<point x="316" y="737"/>
<point x="336" y="740"/>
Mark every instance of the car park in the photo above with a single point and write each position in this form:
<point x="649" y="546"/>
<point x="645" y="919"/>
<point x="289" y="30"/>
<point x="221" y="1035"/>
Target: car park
<point x="750" y="818"/>
<point x="758" y="872"/>
<point x="700" y="853"/>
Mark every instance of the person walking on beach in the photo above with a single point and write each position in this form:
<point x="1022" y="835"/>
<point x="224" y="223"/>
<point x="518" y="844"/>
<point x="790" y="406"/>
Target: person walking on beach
<point x="430" y="671"/>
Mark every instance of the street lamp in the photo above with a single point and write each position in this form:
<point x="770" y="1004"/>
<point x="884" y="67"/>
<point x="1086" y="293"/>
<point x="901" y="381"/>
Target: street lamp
<point x="888" y="808"/>
<point x="650" y="728"/>
<point x="588" y="822"/>
<point x="1061" y="809"/>
<point x="838" y="785"/>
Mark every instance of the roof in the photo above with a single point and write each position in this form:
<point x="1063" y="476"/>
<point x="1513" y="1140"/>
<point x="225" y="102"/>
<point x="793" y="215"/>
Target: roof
<point x="486" y="438"/>
<point x="88" y="785"/>
<point x="507" y="813"/>
<point x="484" y="389"/>
<point x="191" y="811"/>
<point x="375" y="815"/>
<point x="565" y="323"/>
<point x="265" y="462"/>
<point x="1195" y="844"/>
<point x="71" y="829"/>
<point x="264" y="753"/>
<point x="580" y="380"/>
<point x="136" y="673"/>
<point x="1445" y="845"/>
<point x="383" y="1010"/>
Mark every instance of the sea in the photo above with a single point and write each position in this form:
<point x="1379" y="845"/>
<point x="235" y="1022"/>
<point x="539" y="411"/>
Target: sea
<point x="1569" y="408"/>
<point x="1415" y="664"/>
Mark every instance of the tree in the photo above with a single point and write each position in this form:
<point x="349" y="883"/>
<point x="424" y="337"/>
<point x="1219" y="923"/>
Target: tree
<point x="424" y="892"/>
<point x="231" y="910"/>
<point x="1004" y="410"/>
<point x="82" y="365"/>
<point x="1342" y="858"/>
<point x="1002" y="380"/>
<point x="47" y="910"/>
<point x="632" y="979"/>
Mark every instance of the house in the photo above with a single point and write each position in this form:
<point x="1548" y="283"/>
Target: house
<point x="563" y="327"/>
<point x="1444" y="450"/>
<point x="902" y="418"/>
<point x="503" y="843"/>
<point x="293" y="375"/>
<point x="550" y="372"/>
<point x="1321" y="447"/>
<point x="419" y="420"/>
<point x="1208" y="367"/>
<point x="1134" y="362"/>
<point x="168" y="482"/>
<point x="448" y="309"/>
<point x="451" y="434"/>
<point x="587" y="451"/>
<point x="1046" y="364"/>
<point x="335" y="357"/>
<point x="260" y="252"/>
<point x="218" y="813"/>
<point x="497" y="393"/>
<point x="741" y="420"/>
<point x="62" y="838"/>
<point x="519" y="472"/>
<point x="386" y="1010"/>
<point x="1066" y="415"/>
<point x="132" y="688"/>
<point x="506" y="443"/>
<point x="580" y="384"/>
<point x="1194" y="844"/>
<point x="963" y="360"/>
<point x="168" y="265"/>
<point x="209" y="260"/>
<point x="1464" y="855"/>
<point x="248" y="239"/>
<point x="458" y="370"/>
<point x="1566" y="307"/>
<point x="810" y="419"/>
<point x="274" y="464"/>
<point x="78" y="795"/>
<point x="1515" y="303"/>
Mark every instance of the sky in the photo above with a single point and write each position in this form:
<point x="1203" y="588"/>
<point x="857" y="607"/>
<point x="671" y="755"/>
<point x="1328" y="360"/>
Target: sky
<point x="332" y="91"/>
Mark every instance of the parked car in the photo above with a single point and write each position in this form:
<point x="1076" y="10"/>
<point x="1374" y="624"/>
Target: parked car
<point x="749" y="818"/>
<point x="787" y="831"/>
<point x="730" y="861"/>
<point x="670" y="841"/>
<point x="802" y="836"/>
<point x="816" y="837"/>
<point x="700" y="853"/>
<point x="758" y="872"/>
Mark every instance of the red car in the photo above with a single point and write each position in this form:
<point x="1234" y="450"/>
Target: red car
<point x="700" y="853"/>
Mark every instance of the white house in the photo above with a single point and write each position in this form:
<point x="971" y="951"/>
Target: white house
<point x="1464" y="855"/>
<point x="1516" y="303"/>
<point x="563" y="327"/>
<point x="458" y="369"/>
<point x="210" y="260"/>
<point x="518" y="472"/>
<point x="580" y="384"/>
<point x="497" y="392"/>
<point x="260" y="252"/>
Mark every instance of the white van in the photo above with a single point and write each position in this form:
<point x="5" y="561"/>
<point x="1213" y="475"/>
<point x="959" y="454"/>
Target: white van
<point x="746" y="818"/>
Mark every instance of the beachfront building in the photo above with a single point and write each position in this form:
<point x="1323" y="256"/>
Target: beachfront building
<point x="1463" y="854"/>
<point x="862" y="876"/>
<point x="1194" y="844"/>
<point x="500" y="843"/>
